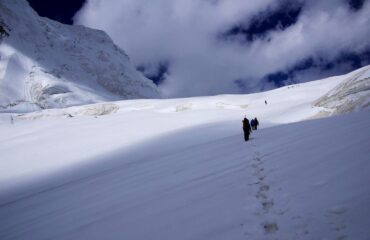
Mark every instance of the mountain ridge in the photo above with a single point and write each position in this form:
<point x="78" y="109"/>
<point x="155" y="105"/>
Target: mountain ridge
<point x="46" y="64"/>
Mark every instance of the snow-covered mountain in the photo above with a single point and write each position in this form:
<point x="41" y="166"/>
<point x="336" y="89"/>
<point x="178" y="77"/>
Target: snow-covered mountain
<point x="316" y="99"/>
<point x="169" y="168"/>
<point x="46" y="64"/>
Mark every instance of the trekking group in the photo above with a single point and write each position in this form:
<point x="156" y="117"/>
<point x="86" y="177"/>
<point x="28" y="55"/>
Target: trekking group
<point x="249" y="126"/>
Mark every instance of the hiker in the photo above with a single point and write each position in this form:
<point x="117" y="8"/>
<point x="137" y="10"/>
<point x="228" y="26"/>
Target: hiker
<point x="255" y="124"/>
<point x="246" y="128"/>
<point x="265" y="102"/>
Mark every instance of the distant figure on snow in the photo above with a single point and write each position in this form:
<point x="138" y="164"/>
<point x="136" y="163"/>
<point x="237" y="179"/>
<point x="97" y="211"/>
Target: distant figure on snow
<point x="254" y="123"/>
<point x="265" y="102"/>
<point x="246" y="128"/>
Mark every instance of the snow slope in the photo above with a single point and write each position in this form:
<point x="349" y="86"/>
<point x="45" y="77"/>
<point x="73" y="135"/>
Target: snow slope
<point x="350" y="95"/>
<point x="306" y="180"/>
<point x="46" y="64"/>
<point x="105" y="127"/>
<point x="179" y="168"/>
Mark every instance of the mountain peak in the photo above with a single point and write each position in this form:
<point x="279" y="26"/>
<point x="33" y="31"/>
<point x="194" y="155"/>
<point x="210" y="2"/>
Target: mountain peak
<point x="46" y="64"/>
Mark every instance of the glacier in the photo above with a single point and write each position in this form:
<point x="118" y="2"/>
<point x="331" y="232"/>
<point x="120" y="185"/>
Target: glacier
<point x="84" y="156"/>
<point x="180" y="169"/>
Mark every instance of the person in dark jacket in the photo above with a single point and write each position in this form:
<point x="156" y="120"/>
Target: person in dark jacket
<point x="252" y="124"/>
<point x="246" y="128"/>
<point x="255" y="124"/>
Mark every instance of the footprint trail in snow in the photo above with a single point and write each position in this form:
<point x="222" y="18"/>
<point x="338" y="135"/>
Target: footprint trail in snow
<point x="269" y="225"/>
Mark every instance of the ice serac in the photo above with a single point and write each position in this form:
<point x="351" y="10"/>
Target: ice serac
<point x="46" y="64"/>
<point x="350" y="95"/>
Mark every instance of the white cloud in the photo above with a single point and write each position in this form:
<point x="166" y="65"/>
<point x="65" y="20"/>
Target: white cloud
<point x="185" y="33"/>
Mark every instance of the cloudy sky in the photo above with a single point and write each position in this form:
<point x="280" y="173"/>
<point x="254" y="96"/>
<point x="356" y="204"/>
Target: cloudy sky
<point x="207" y="47"/>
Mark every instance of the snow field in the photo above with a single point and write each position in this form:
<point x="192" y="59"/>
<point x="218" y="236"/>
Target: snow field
<point x="305" y="180"/>
<point x="54" y="139"/>
<point x="179" y="169"/>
